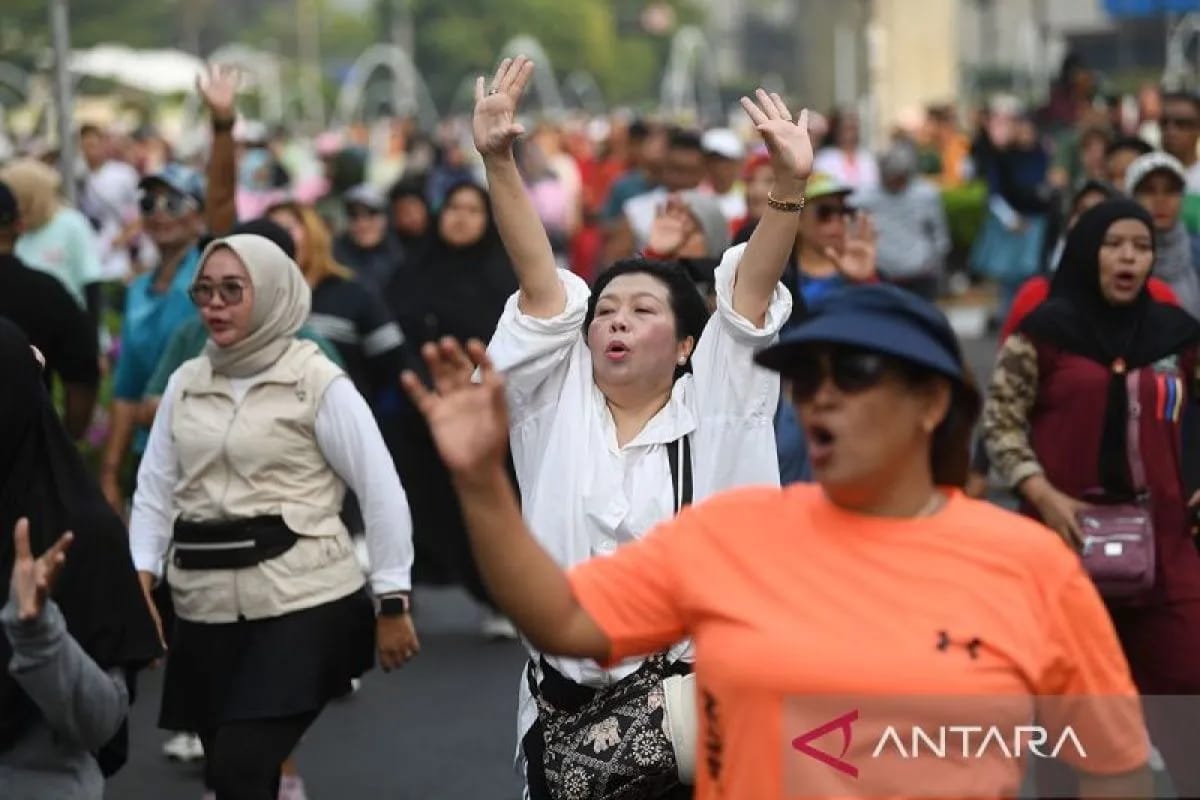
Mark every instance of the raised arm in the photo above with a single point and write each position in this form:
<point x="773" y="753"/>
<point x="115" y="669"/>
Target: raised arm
<point x="495" y="128"/>
<point x="469" y="422"/>
<point x="771" y="244"/>
<point x="219" y="92"/>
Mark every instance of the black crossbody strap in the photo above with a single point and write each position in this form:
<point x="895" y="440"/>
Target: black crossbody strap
<point x="680" y="459"/>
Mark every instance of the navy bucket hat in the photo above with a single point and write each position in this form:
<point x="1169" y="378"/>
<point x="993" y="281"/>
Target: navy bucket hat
<point x="880" y="318"/>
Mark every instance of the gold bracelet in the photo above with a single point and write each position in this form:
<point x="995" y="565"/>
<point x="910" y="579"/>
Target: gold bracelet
<point x="785" y="205"/>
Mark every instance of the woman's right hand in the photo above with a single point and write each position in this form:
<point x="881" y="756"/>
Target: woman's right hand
<point x="494" y="123"/>
<point x="468" y="418"/>
<point x="147" y="581"/>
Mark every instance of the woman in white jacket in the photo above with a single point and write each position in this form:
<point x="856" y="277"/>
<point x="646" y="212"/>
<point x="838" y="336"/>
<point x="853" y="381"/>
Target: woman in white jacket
<point x="627" y="400"/>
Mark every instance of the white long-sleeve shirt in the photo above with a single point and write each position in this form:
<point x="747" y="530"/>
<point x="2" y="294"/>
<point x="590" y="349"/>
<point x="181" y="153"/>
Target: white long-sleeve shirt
<point x="584" y="496"/>
<point x="349" y="439"/>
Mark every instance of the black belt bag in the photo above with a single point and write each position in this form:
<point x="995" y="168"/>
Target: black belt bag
<point x="231" y="544"/>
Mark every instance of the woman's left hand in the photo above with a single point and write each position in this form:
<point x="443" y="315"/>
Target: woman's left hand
<point x="787" y="142"/>
<point x="396" y="641"/>
<point x="33" y="579"/>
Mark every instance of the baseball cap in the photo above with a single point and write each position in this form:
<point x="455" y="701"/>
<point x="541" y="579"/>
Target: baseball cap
<point x="366" y="195"/>
<point x="178" y="178"/>
<point x="821" y="184"/>
<point x="1143" y="166"/>
<point x="724" y="143"/>
<point x="9" y="213"/>
<point x="706" y="210"/>
<point x="879" y="318"/>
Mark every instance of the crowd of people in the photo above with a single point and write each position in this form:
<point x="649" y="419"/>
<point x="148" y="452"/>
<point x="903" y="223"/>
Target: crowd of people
<point x="568" y="367"/>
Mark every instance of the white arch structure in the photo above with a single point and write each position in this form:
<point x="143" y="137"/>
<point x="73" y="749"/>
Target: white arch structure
<point x="1178" y="73"/>
<point x="410" y="94"/>
<point x="689" y="84"/>
<point x="545" y="85"/>
<point x="583" y="86"/>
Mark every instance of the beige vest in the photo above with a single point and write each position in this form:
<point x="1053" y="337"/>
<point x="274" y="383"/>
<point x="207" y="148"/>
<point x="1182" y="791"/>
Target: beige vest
<point x="259" y="457"/>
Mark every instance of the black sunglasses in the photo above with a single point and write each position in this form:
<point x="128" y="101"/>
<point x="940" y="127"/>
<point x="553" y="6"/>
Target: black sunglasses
<point x="230" y="291"/>
<point x="851" y="369"/>
<point x="173" y="205"/>
<point x="1186" y="123"/>
<point x="826" y="213"/>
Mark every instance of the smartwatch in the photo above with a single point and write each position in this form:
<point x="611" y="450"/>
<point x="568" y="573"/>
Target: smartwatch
<point x="394" y="605"/>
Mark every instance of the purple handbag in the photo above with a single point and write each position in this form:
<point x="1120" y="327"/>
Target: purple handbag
<point x="1118" y="539"/>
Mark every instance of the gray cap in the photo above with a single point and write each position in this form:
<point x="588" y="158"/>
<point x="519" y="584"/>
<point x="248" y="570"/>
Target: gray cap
<point x="1143" y="166"/>
<point x="707" y="211"/>
<point x="364" y="194"/>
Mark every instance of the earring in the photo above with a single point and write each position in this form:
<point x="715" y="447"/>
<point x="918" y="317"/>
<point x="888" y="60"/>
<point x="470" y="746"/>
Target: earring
<point x="682" y="360"/>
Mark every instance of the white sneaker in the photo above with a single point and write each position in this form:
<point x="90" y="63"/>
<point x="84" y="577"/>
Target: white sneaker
<point x="185" y="747"/>
<point x="497" y="626"/>
<point x="291" y="787"/>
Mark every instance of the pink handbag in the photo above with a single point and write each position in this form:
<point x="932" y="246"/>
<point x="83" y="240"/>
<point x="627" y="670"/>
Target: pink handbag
<point x="1118" y="539"/>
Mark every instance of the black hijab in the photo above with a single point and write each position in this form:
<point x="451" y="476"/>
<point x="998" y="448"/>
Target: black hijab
<point x="42" y="477"/>
<point x="448" y="290"/>
<point x="1077" y="318"/>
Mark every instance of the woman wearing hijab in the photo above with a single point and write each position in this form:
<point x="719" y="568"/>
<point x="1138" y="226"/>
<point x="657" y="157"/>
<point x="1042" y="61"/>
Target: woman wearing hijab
<point x="1058" y="423"/>
<point x="70" y="641"/>
<point x="410" y="212"/>
<point x="456" y="285"/>
<point x="240" y="492"/>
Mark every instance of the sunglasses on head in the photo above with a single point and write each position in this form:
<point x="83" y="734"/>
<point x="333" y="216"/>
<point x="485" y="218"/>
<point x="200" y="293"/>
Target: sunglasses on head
<point x="827" y="212"/>
<point x="852" y="370"/>
<point x="231" y="292"/>
<point x="173" y="205"/>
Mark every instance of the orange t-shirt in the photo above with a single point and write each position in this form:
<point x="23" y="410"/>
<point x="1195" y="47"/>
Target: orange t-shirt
<point x="792" y="601"/>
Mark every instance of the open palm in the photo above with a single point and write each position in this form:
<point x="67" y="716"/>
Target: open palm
<point x="857" y="259"/>
<point x="468" y="418"/>
<point x="219" y="88"/>
<point x="787" y="142"/>
<point x="494" y="123"/>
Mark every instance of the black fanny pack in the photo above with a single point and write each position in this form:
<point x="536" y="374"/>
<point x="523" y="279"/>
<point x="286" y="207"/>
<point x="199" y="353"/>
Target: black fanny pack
<point x="231" y="544"/>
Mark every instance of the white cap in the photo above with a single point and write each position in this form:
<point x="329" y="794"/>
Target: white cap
<point x="1143" y="166"/>
<point x="724" y="143"/>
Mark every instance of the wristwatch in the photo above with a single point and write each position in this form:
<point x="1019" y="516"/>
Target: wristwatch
<point x="394" y="605"/>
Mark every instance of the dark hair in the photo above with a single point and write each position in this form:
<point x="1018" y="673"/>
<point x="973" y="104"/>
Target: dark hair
<point x="89" y="129"/>
<point x="950" y="449"/>
<point x="1179" y="96"/>
<point x="689" y="308"/>
<point x="638" y="130"/>
<point x="684" y="139"/>
<point x="1095" y="132"/>
<point x="1134" y="143"/>
<point x="268" y="229"/>
<point x="1091" y="186"/>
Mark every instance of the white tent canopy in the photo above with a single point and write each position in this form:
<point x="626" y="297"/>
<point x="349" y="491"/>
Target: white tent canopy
<point x="154" y="71"/>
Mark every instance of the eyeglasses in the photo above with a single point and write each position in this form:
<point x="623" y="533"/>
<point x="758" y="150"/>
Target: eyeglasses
<point x="1186" y="123"/>
<point x="173" y="205"/>
<point x="362" y="212"/>
<point x="230" y="291"/>
<point x="826" y="213"/>
<point x="851" y="369"/>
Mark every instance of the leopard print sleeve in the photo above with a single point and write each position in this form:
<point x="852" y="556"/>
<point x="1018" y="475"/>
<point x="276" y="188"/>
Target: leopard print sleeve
<point x="1011" y="394"/>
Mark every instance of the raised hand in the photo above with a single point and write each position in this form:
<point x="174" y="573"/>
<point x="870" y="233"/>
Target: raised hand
<point x="857" y="259"/>
<point x="468" y="419"/>
<point x="673" y="226"/>
<point x="218" y="88"/>
<point x="787" y="142"/>
<point x="33" y="578"/>
<point x="494" y="124"/>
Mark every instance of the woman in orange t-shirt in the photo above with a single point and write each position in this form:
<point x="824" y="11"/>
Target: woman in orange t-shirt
<point x="821" y="613"/>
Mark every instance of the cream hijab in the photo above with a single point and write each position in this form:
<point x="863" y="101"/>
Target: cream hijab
<point x="282" y="301"/>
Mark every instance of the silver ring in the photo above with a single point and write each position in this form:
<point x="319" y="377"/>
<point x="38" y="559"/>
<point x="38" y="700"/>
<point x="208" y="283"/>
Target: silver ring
<point x="493" y="90"/>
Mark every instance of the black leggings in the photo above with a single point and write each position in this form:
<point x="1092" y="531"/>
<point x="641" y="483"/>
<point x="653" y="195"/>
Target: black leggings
<point x="242" y="758"/>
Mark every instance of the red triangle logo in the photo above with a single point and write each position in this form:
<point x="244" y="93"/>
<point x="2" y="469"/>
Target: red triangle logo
<point x="802" y="743"/>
